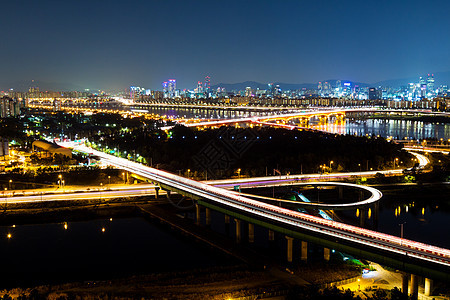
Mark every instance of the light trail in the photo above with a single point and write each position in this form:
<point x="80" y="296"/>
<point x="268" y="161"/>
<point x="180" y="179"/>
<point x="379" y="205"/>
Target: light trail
<point x="361" y="236"/>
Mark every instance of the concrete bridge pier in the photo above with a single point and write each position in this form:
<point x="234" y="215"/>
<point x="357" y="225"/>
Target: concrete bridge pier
<point x="376" y="211"/>
<point x="405" y="279"/>
<point x="251" y="232"/>
<point x="326" y="254"/>
<point x="414" y="288"/>
<point x="227" y="224"/>
<point x="304" y="251"/>
<point x="238" y="230"/>
<point x="362" y="217"/>
<point x="271" y="235"/>
<point x="341" y="192"/>
<point x="428" y="287"/>
<point x="197" y="214"/>
<point x="208" y="216"/>
<point x="157" y="188"/>
<point x="290" y="243"/>
<point x="168" y="194"/>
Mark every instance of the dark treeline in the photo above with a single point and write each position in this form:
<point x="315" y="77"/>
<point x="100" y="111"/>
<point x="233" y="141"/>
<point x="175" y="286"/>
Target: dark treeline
<point x="253" y="150"/>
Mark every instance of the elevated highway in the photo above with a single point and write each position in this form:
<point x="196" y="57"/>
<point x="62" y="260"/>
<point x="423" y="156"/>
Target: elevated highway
<point x="410" y="256"/>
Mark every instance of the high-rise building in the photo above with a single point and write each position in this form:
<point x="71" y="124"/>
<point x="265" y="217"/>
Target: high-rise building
<point x="33" y="92"/>
<point x="9" y="107"/>
<point x="199" y="89"/>
<point x="430" y="85"/>
<point x="136" y="92"/>
<point x="172" y="87"/>
<point x="207" y="84"/>
<point x="248" y="91"/>
<point x="375" y="94"/>
<point x="4" y="147"/>
<point x="269" y="89"/>
<point x="165" y="85"/>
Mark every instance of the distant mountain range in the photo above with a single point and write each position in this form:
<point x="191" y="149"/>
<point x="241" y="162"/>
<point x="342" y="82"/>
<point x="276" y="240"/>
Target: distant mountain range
<point x="43" y="86"/>
<point x="441" y="78"/>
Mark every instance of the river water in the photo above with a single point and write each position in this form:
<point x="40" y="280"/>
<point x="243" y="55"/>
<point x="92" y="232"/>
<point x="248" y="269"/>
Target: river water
<point x="48" y="253"/>
<point x="399" y="129"/>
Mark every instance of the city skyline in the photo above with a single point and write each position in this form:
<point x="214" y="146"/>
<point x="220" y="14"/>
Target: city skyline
<point x="92" y="45"/>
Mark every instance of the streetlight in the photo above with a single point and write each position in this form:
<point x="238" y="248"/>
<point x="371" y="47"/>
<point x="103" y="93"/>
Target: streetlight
<point x="10" y="182"/>
<point x="188" y="171"/>
<point x="109" y="180"/>
<point x="395" y="160"/>
<point x="239" y="172"/>
<point x="123" y="175"/>
<point x="331" y="162"/>
<point x="60" y="180"/>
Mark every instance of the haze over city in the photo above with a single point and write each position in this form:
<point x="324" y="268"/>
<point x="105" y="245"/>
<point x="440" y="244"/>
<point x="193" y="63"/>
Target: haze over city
<point x="110" y="45"/>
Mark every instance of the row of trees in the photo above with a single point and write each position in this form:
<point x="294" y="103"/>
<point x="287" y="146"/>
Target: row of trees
<point x="229" y="151"/>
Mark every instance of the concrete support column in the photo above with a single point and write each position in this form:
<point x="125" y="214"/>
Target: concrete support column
<point x="304" y="249"/>
<point x="208" y="216"/>
<point x="271" y="235"/>
<point x="227" y="224"/>
<point x="238" y="230"/>
<point x="341" y="192"/>
<point x="362" y="216"/>
<point x="414" y="290"/>
<point x="290" y="243"/>
<point x="157" y="188"/>
<point x="326" y="254"/>
<point x="251" y="232"/>
<point x="376" y="211"/>
<point x="197" y="214"/>
<point x="428" y="286"/>
<point x="405" y="279"/>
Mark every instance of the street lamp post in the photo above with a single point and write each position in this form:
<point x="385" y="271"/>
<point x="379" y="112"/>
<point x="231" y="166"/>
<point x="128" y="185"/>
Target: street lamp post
<point x="60" y="180"/>
<point x="188" y="171"/>
<point x="331" y="162"/>
<point x="239" y="173"/>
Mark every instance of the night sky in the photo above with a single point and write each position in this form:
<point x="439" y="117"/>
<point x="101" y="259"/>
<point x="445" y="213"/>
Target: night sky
<point x="114" y="44"/>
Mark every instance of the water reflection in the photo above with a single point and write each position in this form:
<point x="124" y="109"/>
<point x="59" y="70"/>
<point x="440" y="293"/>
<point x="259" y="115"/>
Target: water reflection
<point x="94" y="250"/>
<point x="399" y="129"/>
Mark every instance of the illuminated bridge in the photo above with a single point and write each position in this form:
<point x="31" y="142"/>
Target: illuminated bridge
<point x="305" y="115"/>
<point x="410" y="256"/>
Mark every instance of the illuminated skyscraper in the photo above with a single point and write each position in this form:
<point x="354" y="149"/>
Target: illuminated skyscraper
<point x="172" y="87"/>
<point x="199" y="87"/>
<point x="374" y="94"/>
<point x="165" y="85"/>
<point x="207" y="84"/>
<point x="430" y="85"/>
<point x="269" y="89"/>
